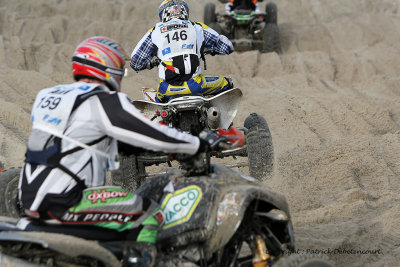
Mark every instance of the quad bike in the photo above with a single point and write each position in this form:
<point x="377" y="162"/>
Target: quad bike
<point x="214" y="216"/>
<point x="194" y="114"/>
<point x="247" y="29"/>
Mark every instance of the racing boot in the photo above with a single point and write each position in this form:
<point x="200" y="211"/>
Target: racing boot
<point x="139" y="254"/>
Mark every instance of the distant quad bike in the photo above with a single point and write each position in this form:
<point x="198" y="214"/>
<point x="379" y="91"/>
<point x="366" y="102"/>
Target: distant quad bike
<point x="247" y="29"/>
<point x="193" y="114"/>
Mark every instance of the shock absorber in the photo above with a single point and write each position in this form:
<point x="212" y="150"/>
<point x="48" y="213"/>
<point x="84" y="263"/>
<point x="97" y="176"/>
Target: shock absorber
<point x="260" y="253"/>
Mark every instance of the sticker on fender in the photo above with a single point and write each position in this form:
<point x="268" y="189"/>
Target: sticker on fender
<point x="179" y="206"/>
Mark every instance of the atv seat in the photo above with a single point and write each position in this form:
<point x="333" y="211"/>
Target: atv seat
<point x="82" y="231"/>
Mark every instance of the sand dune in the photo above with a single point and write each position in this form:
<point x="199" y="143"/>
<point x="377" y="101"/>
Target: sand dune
<point x="332" y="101"/>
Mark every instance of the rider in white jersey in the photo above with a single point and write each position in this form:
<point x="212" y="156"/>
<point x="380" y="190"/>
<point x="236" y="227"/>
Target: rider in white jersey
<point x="179" y="44"/>
<point x="73" y="142"/>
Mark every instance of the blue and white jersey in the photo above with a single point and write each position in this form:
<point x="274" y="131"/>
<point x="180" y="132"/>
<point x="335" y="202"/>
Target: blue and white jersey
<point x="176" y="37"/>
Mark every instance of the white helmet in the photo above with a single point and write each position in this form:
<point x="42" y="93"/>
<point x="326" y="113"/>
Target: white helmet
<point x="170" y="9"/>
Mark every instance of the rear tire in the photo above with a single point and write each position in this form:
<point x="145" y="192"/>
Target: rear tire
<point x="272" y="41"/>
<point x="9" y="204"/>
<point x="127" y="176"/>
<point x="209" y="14"/>
<point x="307" y="260"/>
<point x="260" y="149"/>
<point x="216" y="27"/>
<point x="272" y="13"/>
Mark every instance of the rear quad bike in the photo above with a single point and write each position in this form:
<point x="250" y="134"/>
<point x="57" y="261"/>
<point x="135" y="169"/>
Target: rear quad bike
<point x="194" y="114"/>
<point x="214" y="216"/>
<point x="247" y="29"/>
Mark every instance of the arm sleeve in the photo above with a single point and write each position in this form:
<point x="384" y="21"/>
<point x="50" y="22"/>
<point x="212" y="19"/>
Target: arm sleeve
<point x="215" y="41"/>
<point x="143" y="53"/>
<point x="119" y="118"/>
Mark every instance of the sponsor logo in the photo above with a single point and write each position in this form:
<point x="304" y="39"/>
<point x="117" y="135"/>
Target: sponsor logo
<point x="172" y="27"/>
<point x="166" y="51"/>
<point x="177" y="89"/>
<point x="104" y="195"/>
<point x="189" y="46"/>
<point x="210" y="79"/>
<point x="59" y="91"/>
<point x="97" y="217"/>
<point x="179" y="207"/>
<point x="115" y="71"/>
<point x="84" y="87"/>
<point x="53" y="120"/>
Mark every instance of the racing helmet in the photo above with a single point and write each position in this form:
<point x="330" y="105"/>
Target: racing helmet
<point x="100" y="58"/>
<point x="170" y="9"/>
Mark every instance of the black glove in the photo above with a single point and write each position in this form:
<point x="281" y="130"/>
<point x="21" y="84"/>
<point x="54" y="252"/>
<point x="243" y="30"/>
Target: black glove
<point x="210" y="141"/>
<point x="153" y="63"/>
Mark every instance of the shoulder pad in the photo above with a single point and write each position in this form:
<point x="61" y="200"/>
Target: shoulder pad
<point x="204" y="26"/>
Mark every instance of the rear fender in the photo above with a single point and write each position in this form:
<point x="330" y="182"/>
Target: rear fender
<point x="227" y="102"/>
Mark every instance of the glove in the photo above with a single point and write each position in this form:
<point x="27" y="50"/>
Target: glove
<point x="210" y="141"/>
<point x="153" y="63"/>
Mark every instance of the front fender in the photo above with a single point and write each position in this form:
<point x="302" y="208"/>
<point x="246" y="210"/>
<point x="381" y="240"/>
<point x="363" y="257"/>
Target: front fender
<point x="63" y="244"/>
<point x="233" y="205"/>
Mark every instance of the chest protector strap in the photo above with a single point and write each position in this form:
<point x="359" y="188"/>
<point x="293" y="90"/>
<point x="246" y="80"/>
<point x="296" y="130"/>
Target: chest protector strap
<point x="51" y="157"/>
<point x="182" y="69"/>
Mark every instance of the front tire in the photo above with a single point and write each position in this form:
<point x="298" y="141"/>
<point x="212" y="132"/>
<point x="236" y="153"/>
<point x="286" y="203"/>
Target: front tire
<point x="9" y="204"/>
<point x="260" y="149"/>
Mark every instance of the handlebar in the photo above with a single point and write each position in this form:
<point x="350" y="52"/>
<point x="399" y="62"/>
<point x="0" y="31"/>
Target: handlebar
<point x="200" y="163"/>
<point x="211" y="52"/>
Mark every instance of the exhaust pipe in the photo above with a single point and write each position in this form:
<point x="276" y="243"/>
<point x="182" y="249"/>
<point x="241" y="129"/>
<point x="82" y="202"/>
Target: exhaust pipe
<point x="213" y="118"/>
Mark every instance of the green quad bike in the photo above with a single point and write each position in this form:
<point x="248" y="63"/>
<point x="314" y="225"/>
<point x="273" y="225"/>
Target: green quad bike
<point x="214" y="216"/>
<point x="247" y="30"/>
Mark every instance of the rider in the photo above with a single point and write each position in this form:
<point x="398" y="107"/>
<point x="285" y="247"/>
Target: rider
<point x="179" y="44"/>
<point x="242" y="4"/>
<point x="73" y="141"/>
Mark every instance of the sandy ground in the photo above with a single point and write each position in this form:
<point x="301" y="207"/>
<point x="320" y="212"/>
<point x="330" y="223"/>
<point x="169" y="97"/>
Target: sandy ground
<point x="332" y="102"/>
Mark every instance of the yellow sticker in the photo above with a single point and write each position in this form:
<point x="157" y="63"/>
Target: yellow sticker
<point x="179" y="206"/>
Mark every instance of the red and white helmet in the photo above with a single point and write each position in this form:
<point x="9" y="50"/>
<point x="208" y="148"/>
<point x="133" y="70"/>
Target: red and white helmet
<point x="100" y="58"/>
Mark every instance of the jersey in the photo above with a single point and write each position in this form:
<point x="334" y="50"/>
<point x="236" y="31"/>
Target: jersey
<point x="155" y="43"/>
<point x="79" y="124"/>
<point x="178" y="49"/>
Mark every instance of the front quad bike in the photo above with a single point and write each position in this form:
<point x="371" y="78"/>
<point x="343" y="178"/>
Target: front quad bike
<point x="194" y="114"/>
<point x="248" y="30"/>
<point x="214" y="216"/>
